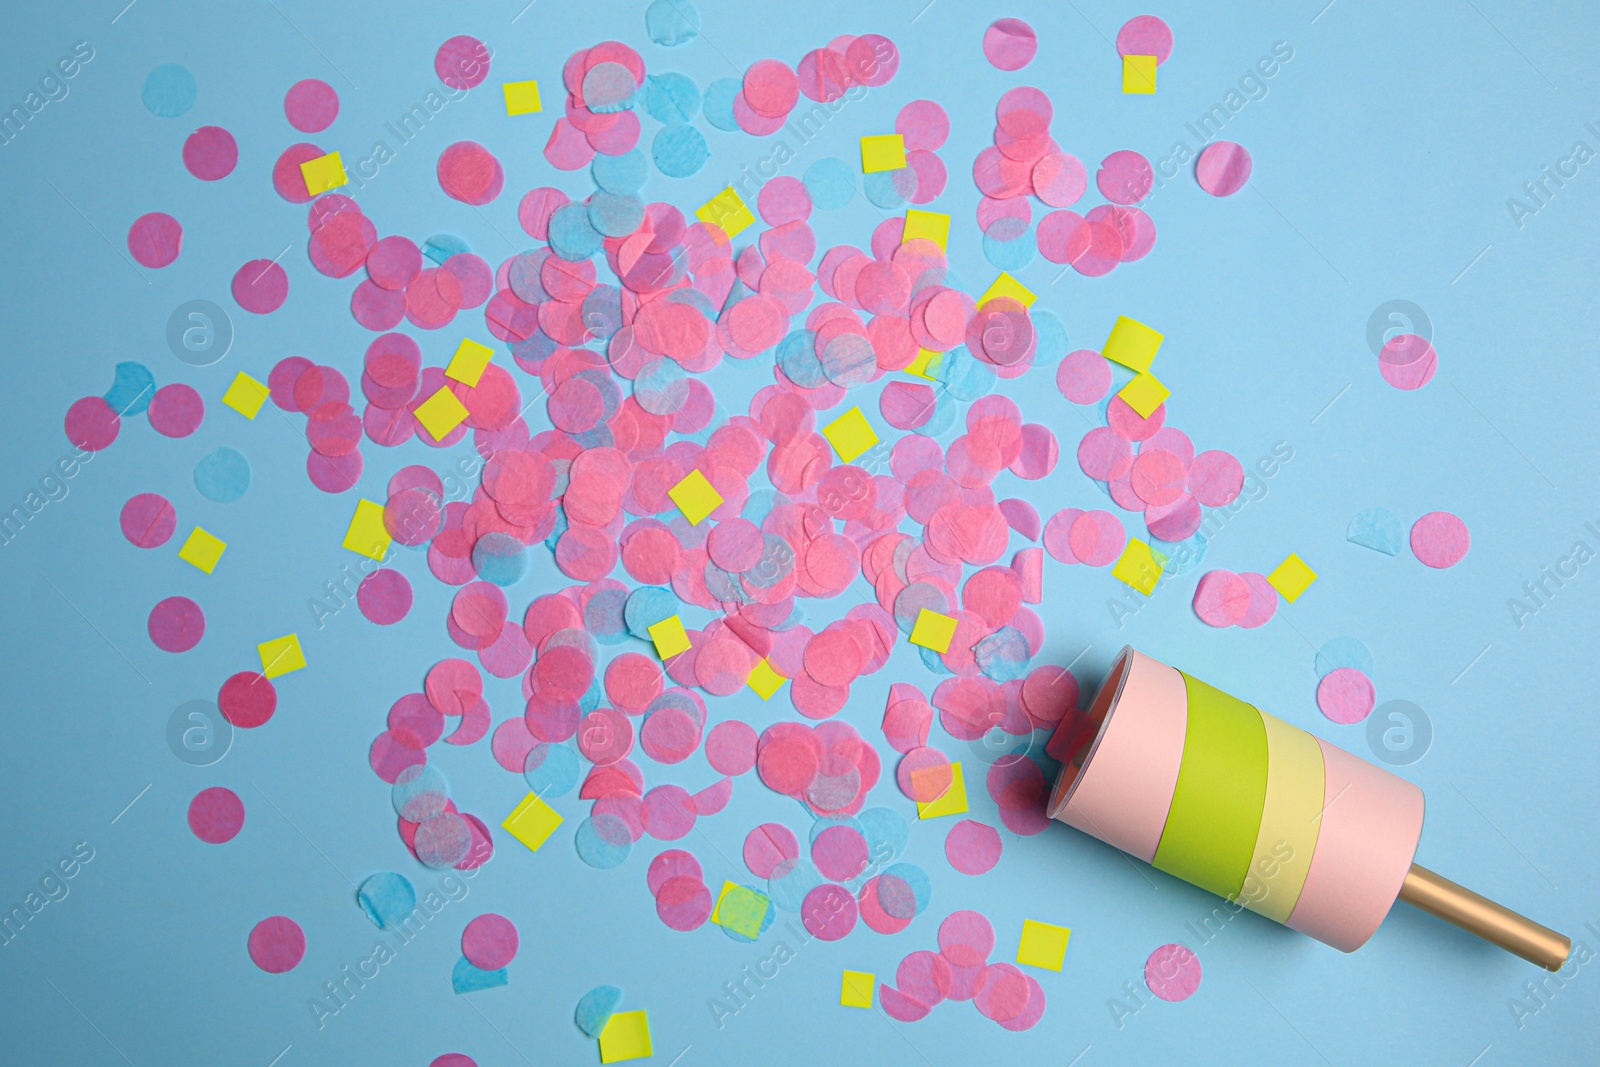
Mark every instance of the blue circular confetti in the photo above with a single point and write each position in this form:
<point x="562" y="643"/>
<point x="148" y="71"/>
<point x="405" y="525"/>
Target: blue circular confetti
<point x="558" y="529"/>
<point x="603" y="618"/>
<point x="672" y="22"/>
<point x="622" y="174"/>
<point x="1008" y="243"/>
<point x="223" y="476"/>
<point x="602" y="314"/>
<point x="648" y="605"/>
<point x="615" y="215"/>
<point x="797" y="355"/>
<point x="831" y="183"/>
<point x="131" y="389"/>
<point x="596" y="1007"/>
<point x="1376" y="528"/>
<point x="915" y="878"/>
<point x="679" y="150"/>
<point x="388" y="899"/>
<point x="884" y="190"/>
<point x="887" y="834"/>
<point x="441" y="246"/>
<point x="932" y="661"/>
<point x="1050" y="345"/>
<point x="790" y="882"/>
<point x="500" y="558"/>
<point x="718" y="103"/>
<point x="1003" y="656"/>
<point x="966" y="377"/>
<point x="661" y="386"/>
<point x="551" y="770"/>
<point x="419" y="792"/>
<point x="671" y="97"/>
<point x="1345" y="652"/>
<point x="760" y="504"/>
<point x="169" y="91"/>
<point x="572" y="235"/>
<point x="603" y="841"/>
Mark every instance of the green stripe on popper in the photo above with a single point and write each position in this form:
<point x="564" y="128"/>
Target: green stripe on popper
<point x="1222" y="786"/>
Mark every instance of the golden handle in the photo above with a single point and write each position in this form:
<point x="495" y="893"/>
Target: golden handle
<point x="1478" y="915"/>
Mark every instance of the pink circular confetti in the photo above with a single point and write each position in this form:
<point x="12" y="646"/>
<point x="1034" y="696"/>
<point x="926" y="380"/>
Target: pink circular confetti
<point x="470" y="173"/>
<point x="1125" y="177"/>
<point x="673" y="863"/>
<point x="1145" y="35"/>
<point x="829" y="911"/>
<point x="966" y="938"/>
<point x="1345" y="695"/>
<point x="216" y="815"/>
<point x="1221" y="598"/>
<point x="1408" y="361"/>
<point x="1009" y="44"/>
<point x="840" y="853"/>
<point x="154" y="240"/>
<point x="489" y="942"/>
<point x="1263" y="601"/>
<point x="1440" y="539"/>
<point x="1222" y="168"/>
<point x="972" y="847"/>
<point x="261" y="286"/>
<point x="1059" y="179"/>
<point x="767" y="846"/>
<point x="684" y="903"/>
<point x="247" y="699"/>
<point x="1215" y="478"/>
<point x="176" y="624"/>
<point x="384" y="596"/>
<point x="92" y="424"/>
<point x="311" y="105"/>
<point x="277" y="944"/>
<point x="210" y="153"/>
<point x="148" y="520"/>
<point x="462" y="62"/>
<point x="1172" y="972"/>
<point x="176" y="410"/>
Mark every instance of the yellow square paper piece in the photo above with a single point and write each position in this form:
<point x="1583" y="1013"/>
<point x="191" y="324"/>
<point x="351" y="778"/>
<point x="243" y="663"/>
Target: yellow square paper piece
<point x="246" y="395"/>
<point x="323" y="173"/>
<point x="202" y="549"/>
<point x="1043" y="945"/>
<point x="441" y="413"/>
<point x="954" y="800"/>
<point x="1292" y="578"/>
<point x="887" y="152"/>
<point x="925" y="364"/>
<point x="1144" y="394"/>
<point x="855" y="991"/>
<point x="1132" y="344"/>
<point x="933" y="630"/>
<point x="626" y="1037"/>
<point x="1138" y="74"/>
<point x="765" y="681"/>
<point x="367" y="533"/>
<point x="850" y="435"/>
<point x="727" y="211"/>
<point x="1139" y="567"/>
<point x="532" y="821"/>
<point x="927" y="225"/>
<point x="522" y="98"/>
<point x="695" y="496"/>
<point x="468" y="364"/>
<point x="281" y="656"/>
<point x="741" y="910"/>
<point x="1006" y="285"/>
<point x="669" y="636"/>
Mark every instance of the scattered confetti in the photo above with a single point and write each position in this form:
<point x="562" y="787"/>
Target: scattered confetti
<point x="1440" y="539"/>
<point x="1172" y="972"/>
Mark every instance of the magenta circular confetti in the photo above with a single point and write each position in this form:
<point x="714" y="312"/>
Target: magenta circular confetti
<point x="1009" y="44"/>
<point x="489" y="942"/>
<point x="247" y="699"/>
<point x="972" y="847"/>
<point x="1408" y="361"/>
<point x="311" y="105"/>
<point x="210" y="153"/>
<point x="1125" y="177"/>
<point x="154" y="240"/>
<point x="462" y="62"/>
<point x="216" y="815"/>
<point x="1221" y="598"/>
<point x="829" y="912"/>
<point x="277" y="944"/>
<point x="261" y="286"/>
<point x="470" y="173"/>
<point x="1222" y="168"/>
<point x="1145" y="35"/>
<point x="92" y="424"/>
<point x="176" y="624"/>
<point x="1440" y="539"/>
<point x="148" y="520"/>
<point x="384" y="596"/>
<point x="1345" y="695"/>
<point x="1172" y="972"/>
<point x="176" y="410"/>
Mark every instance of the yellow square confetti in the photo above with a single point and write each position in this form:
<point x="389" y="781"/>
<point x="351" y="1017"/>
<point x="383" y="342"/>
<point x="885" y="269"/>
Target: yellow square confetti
<point x="626" y="1037"/>
<point x="1132" y="344"/>
<point x="727" y="211"/>
<point x="1144" y="394"/>
<point x="1292" y="578"/>
<point x="1138" y="74"/>
<point x="741" y="910"/>
<point x="1139" y="567"/>
<point x="281" y="656"/>
<point x="202" y="549"/>
<point x="1006" y="285"/>
<point x="765" y="681"/>
<point x="669" y="636"/>
<point x="954" y="800"/>
<point x="933" y="630"/>
<point x="1043" y="945"/>
<point x="927" y="225"/>
<point x="468" y="364"/>
<point x="246" y="395"/>
<point x="695" y="496"/>
<point x="850" y="435"/>
<point x="925" y="364"/>
<point x="367" y="533"/>
<point x="855" y="991"/>
<point x="323" y="173"/>
<point x="532" y="821"/>
<point x="887" y="152"/>
<point x="522" y="98"/>
<point x="441" y="413"/>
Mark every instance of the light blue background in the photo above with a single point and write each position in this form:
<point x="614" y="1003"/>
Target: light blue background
<point x="1385" y="152"/>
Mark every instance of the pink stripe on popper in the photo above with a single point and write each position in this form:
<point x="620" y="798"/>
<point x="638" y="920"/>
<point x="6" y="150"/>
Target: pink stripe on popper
<point x="1371" y="820"/>
<point x="1125" y="788"/>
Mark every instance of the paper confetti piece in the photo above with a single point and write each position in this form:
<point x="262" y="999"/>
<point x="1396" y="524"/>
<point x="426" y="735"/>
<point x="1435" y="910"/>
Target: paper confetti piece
<point x="696" y="497"/>
<point x="1292" y="577"/>
<point x="246" y="395"/>
<point x="367" y="533"/>
<point x="741" y="910"/>
<point x="1042" y="945"/>
<point x="855" y="989"/>
<point x="1132" y="344"/>
<point x="323" y="173"/>
<point x="532" y="821"/>
<point x="925" y="364"/>
<point x="927" y="226"/>
<point x="626" y="1037"/>
<point x="388" y="898"/>
<point x="595" y="1009"/>
<point x="1378" y="529"/>
<point x="441" y="413"/>
<point x="954" y="800"/>
<point x="1138" y="567"/>
<point x="1440" y="539"/>
<point x="1138" y="74"/>
<point x="281" y="656"/>
<point x="522" y="98"/>
<point x="728" y="211"/>
<point x="466" y="978"/>
<point x="1007" y="286"/>
<point x="933" y="630"/>
<point x="764" y="680"/>
<point x="467" y="365"/>
<point x="670" y="638"/>
<point x="1144" y="394"/>
<point x="202" y="549"/>
<point x="886" y="152"/>
<point x="1172" y="972"/>
<point x="850" y="435"/>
